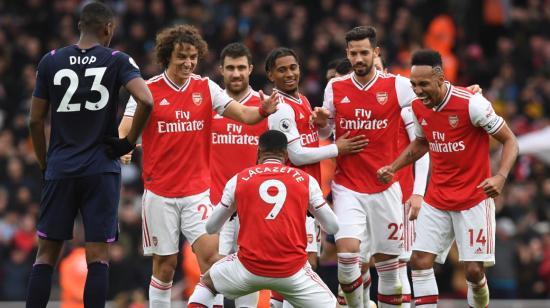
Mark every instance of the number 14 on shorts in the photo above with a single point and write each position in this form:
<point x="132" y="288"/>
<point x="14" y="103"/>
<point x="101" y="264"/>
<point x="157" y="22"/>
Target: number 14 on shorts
<point x="478" y="235"/>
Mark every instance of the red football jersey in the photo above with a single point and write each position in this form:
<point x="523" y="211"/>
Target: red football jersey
<point x="176" y="139"/>
<point x="457" y="132"/>
<point x="309" y="135"/>
<point x="234" y="147"/>
<point x="372" y="110"/>
<point x="272" y="200"/>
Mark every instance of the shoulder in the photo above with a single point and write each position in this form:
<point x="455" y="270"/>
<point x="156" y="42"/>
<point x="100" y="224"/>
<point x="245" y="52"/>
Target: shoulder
<point x="461" y="92"/>
<point x="340" y="80"/>
<point x="154" y="80"/>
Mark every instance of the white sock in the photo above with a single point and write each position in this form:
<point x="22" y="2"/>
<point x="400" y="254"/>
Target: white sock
<point x="247" y="301"/>
<point x="218" y="301"/>
<point x="478" y="293"/>
<point x="202" y="296"/>
<point x="425" y="288"/>
<point x="389" y="284"/>
<point x="366" y="288"/>
<point x="349" y="276"/>
<point x="406" y="285"/>
<point x="341" y="299"/>
<point x="159" y="293"/>
<point x="276" y="300"/>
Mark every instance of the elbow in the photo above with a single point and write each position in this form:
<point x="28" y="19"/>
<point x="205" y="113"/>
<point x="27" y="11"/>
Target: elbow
<point x="332" y="227"/>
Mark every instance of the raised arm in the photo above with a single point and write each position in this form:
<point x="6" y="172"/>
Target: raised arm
<point x="252" y="115"/>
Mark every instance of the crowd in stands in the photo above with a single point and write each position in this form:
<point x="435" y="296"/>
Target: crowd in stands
<point x="504" y="46"/>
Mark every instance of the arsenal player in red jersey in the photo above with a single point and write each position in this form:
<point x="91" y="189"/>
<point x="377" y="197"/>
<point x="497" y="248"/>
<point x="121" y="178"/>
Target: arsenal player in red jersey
<point x="454" y="125"/>
<point x="272" y="200"/>
<point x="176" y="145"/>
<point x="234" y="146"/>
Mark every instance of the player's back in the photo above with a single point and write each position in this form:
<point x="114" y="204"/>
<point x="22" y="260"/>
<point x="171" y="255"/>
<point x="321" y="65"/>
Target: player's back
<point x="272" y="200"/>
<point x="82" y="87"/>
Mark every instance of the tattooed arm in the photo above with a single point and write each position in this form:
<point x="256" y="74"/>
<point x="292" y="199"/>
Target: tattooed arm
<point x="416" y="149"/>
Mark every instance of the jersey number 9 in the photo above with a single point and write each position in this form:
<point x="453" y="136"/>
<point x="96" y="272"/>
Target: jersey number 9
<point x="277" y="200"/>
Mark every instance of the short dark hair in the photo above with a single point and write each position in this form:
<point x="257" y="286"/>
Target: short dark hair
<point x="276" y="54"/>
<point x="95" y="16"/>
<point x="361" y="33"/>
<point x="236" y="50"/>
<point x="273" y="141"/>
<point x="168" y="38"/>
<point x="343" y="67"/>
<point x="427" y="57"/>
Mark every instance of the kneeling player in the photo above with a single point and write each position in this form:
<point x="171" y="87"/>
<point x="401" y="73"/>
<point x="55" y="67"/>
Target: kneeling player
<point x="271" y="200"/>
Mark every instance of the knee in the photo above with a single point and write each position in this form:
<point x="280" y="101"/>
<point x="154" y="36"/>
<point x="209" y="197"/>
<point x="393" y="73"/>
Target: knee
<point x="164" y="267"/>
<point x="211" y="257"/>
<point x="474" y="271"/>
<point x="421" y="261"/>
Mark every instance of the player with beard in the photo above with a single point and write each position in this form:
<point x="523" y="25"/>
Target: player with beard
<point x="294" y="118"/>
<point x="235" y="143"/>
<point x="367" y="102"/>
<point x="454" y="125"/>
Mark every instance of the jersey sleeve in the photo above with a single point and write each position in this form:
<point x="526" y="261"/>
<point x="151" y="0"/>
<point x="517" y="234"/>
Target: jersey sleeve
<point x="220" y="99"/>
<point x="128" y="69"/>
<point x="320" y="209"/>
<point x="284" y="121"/>
<point x="483" y="115"/>
<point x="328" y="103"/>
<point x="421" y="166"/>
<point x="130" y="107"/>
<point x="41" y="89"/>
<point x="418" y="132"/>
<point x="405" y="93"/>
<point x="316" y="199"/>
<point x="228" y="197"/>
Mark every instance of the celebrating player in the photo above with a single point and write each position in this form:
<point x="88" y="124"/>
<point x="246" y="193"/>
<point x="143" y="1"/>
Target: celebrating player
<point x="367" y="102"/>
<point x="271" y="200"/>
<point x="176" y="145"/>
<point x="79" y="84"/>
<point x="234" y="145"/>
<point x="453" y="125"/>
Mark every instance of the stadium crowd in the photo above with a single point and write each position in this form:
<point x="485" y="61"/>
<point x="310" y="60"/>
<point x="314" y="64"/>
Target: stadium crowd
<point x="504" y="46"/>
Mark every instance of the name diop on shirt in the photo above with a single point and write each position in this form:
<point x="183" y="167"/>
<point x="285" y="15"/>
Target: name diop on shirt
<point x="179" y="126"/>
<point x="447" y="147"/>
<point x="273" y="169"/>
<point x="359" y="123"/>
<point x="230" y="138"/>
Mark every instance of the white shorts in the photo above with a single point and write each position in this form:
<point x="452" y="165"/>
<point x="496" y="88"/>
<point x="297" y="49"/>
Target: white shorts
<point x="364" y="252"/>
<point x="313" y="231"/>
<point x="303" y="289"/>
<point x="381" y="214"/>
<point x="164" y="218"/>
<point x="473" y="230"/>
<point x="228" y="237"/>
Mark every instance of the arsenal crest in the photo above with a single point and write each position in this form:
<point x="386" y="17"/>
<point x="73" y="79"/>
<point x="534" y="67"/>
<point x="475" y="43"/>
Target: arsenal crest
<point x="197" y="98"/>
<point x="382" y="97"/>
<point x="453" y="121"/>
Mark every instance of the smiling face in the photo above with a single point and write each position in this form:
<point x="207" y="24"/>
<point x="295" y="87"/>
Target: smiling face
<point x="361" y="54"/>
<point x="285" y="74"/>
<point x="183" y="60"/>
<point x="236" y="73"/>
<point x="427" y="84"/>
